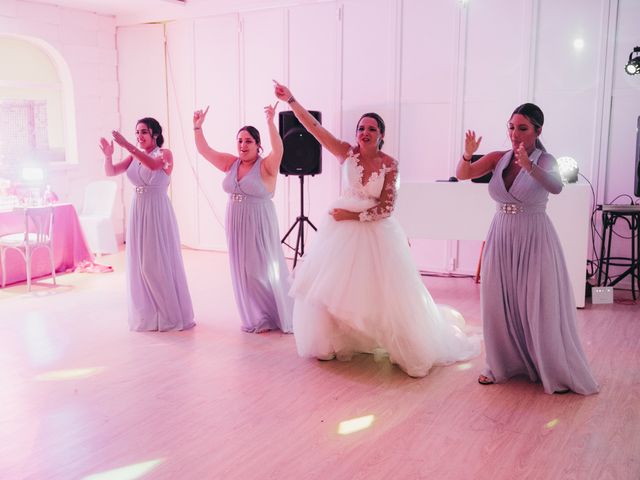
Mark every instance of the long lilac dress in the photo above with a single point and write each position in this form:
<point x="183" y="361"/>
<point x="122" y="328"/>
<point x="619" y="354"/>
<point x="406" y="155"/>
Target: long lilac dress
<point x="259" y="273"/>
<point x="159" y="297"/>
<point x="528" y="308"/>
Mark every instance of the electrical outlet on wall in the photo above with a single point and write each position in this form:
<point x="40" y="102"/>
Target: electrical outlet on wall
<point x="601" y="295"/>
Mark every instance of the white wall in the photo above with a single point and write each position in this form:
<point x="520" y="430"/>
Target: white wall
<point x="431" y="68"/>
<point x="85" y="42"/>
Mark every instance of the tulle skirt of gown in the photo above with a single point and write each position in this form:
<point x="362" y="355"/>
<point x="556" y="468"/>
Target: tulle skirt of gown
<point x="358" y="290"/>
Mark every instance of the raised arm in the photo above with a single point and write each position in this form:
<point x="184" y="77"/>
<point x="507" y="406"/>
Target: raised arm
<point x="221" y="161"/>
<point x="336" y="146"/>
<point x="154" y="163"/>
<point x="465" y="169"/>
<point x="272" y="161"/>
<point x="111" y="169"/>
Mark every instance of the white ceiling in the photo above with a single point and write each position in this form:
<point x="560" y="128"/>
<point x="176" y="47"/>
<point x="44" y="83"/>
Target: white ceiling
<point x="121" y="7"/>
<point x="139" y="11"/>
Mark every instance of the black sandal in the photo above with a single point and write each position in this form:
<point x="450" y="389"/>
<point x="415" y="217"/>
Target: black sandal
<point x="484" y="380"/>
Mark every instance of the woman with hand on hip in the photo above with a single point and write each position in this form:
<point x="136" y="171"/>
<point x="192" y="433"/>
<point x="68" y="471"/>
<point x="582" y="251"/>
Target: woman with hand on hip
<point x="528" y="308"/>
<point x="259" y="272"/>
<point x="157" y="285"/>
<point x="357" y="289"/>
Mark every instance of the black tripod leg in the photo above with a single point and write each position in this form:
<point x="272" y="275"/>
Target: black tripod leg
<point x="300" y="221"/>
<point x="299" y="244"/>
<point x="312" y="225"/>
<point x="290" y="230"/>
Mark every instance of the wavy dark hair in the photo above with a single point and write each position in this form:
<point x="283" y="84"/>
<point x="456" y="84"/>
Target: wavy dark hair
<point x="378" y="120"/>
<point x="156" y="129"/>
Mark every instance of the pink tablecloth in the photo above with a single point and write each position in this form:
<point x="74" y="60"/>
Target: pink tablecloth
<point x="70" y="247"/>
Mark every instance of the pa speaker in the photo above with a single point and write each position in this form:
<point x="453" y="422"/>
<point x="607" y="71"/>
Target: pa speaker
<point x="485" y="178"/>
<point x="302" y="152"/>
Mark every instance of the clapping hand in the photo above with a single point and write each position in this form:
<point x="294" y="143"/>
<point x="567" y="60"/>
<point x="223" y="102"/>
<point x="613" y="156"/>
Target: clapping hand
<point x="106" y="147"/>
<point x="522" y="158"/>
<point x="198" y="117"/>
<point x="270" y="111"/>
<point x="123" y="142"/>
<point x="471" y="144"/>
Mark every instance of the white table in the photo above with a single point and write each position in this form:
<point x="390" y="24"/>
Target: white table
<point x="464" y="210"/>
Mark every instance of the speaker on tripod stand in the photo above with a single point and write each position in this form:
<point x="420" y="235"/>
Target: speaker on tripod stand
<point x="302" y="156"/>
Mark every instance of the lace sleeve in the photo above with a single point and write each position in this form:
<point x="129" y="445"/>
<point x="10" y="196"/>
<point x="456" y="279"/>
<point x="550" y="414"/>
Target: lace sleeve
<point x="387" y="199"/>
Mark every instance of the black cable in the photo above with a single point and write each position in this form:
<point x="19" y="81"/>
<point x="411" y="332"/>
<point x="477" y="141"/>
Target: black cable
<point x="594" y="232"/>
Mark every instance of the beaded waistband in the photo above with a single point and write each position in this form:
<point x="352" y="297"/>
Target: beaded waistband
<point x="516" y="208"/>
<point x="243" y="198"/>
<point x="141" y="189"/>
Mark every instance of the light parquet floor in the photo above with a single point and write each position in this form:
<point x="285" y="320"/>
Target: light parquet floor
<point x="82" y="397"/>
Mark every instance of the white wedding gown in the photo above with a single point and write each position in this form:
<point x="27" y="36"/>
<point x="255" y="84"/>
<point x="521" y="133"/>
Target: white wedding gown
<point x="357" y="290"/>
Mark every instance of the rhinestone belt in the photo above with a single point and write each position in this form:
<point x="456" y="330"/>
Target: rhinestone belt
<point x="237" y="197"/>
<point x="511" y="208"/>
<point x="142" y="189"/>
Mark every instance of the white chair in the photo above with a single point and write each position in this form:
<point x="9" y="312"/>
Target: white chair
<point x="38" y="233"/>
<point x="95" y="218"/>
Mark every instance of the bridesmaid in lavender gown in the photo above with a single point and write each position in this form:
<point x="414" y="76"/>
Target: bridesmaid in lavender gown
<point x="528" y="309"/>
<point x="259" y="273"/>
<point x="158" y="293"/>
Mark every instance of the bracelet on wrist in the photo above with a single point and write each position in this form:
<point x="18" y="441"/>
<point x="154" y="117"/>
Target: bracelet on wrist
<point x="468" y="160"/>
<point x="197" y="128"/>
<point x="291" y="99"/>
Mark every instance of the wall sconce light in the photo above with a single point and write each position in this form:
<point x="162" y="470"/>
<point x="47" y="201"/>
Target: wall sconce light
<point x="568" y="169"/>
<point x="633" y="65"/>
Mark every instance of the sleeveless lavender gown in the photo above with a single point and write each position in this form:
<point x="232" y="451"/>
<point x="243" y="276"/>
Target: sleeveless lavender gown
<point x="159" y="297"/>
<point x="528" y="308"/>
<point x="258" y="270"/>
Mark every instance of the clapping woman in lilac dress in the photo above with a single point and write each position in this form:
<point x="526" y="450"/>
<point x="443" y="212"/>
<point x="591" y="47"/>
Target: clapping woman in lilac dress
<point x="157" y="287"/>
<point x="528" y="309"/>
<point x="259" y="272"/>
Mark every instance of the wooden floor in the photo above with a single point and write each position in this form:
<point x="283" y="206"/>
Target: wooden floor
<point x="82" y="397"/>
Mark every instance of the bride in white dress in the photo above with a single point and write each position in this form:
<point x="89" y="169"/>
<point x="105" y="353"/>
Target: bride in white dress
<point x="358" y="290"/>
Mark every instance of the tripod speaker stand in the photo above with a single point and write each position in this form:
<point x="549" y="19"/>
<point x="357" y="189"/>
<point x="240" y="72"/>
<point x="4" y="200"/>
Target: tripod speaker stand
<point x="302" y="156"/>
<point x="300" y="221"/>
